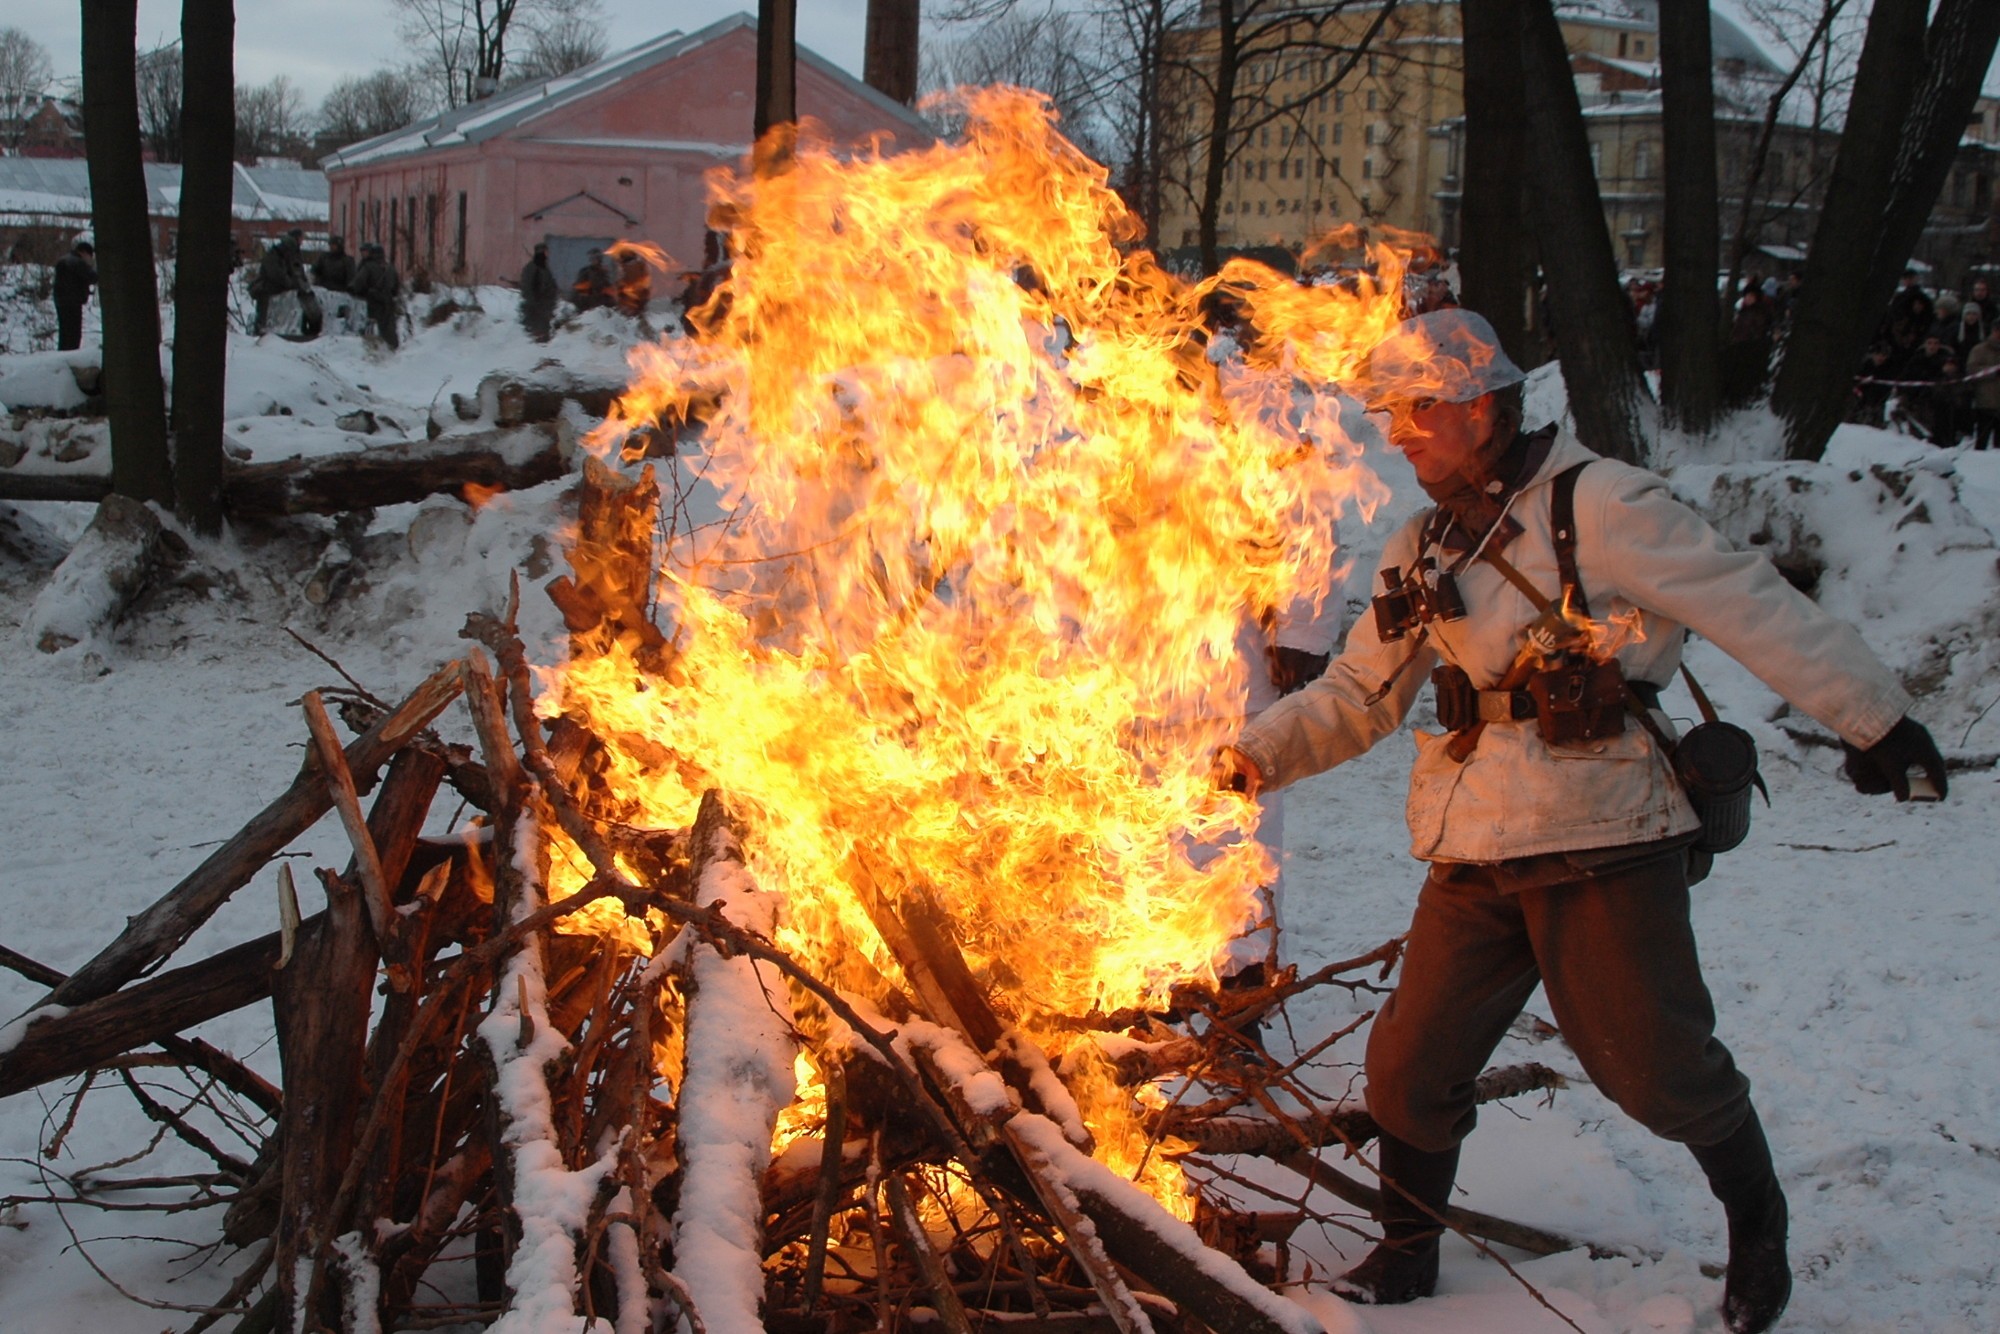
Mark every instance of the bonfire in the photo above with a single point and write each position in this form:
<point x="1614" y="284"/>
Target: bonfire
<point x="835" y="947"/>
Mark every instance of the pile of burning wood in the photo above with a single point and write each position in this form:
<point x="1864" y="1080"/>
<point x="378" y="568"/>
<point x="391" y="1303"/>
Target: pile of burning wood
<point x="487" y="1116"/>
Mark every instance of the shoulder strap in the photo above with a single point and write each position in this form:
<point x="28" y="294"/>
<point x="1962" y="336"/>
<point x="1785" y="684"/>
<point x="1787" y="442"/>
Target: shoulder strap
<point x="1562" y="529"/>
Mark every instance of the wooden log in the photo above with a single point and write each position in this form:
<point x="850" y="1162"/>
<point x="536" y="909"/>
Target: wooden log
<point x="1160" y="1249"/>
<point x="917" y="1244"/>
<point x="1521" y="1236"/>
<point x="1340" y="1125"/>
<point x="74" y="486"/>
<point x="55" y="1043"/>
<point x="347" y="802"/>
<point x="739" y="1076"/>
<point x="609" y="599"/>
<point x="503" y="460"/>
<point x="322" y="1008"/>
<point x="156" y="933"/>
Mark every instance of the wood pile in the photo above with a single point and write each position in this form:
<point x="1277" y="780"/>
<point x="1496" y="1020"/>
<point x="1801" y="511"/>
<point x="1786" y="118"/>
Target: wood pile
<point x="484" y="1117"/>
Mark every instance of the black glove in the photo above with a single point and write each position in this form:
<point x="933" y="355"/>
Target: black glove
<point x="1292" y="668"/>
<point x="1885" y="766"/>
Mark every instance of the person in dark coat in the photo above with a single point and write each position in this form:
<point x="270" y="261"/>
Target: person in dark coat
<point x="378" y="287"/>
<point x="539" y="292"/>
<point x="283" y="270"/>
<point x="592" y="287"/>
<point x="76" y="275"/>
<point x="334" y="270"/>
<point x="635" y="284"/>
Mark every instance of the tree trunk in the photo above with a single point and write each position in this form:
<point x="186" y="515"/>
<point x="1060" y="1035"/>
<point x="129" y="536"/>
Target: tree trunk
<point x="1895" y="153"/>
<point x="201" y="259"/>
<point x="889" y="62"/>
<point x="135" y="398"/>
<point x="1593" y="322"/>
<point x="1690" y="334"/>
<point x="1208" y="211"/>
<point x="777" y="63"/>
<point x="1495" y="259"/>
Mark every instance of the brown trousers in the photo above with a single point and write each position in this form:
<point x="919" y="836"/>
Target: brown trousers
<point x="1612" y="944"/>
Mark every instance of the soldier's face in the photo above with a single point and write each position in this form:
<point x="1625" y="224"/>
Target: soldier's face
<point x="1440" y="438"/>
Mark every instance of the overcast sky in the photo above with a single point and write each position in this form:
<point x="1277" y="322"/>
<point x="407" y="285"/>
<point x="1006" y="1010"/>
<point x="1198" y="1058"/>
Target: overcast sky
<point x="319" y="42"/>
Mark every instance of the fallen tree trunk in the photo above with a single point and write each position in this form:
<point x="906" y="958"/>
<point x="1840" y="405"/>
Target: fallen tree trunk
<point x="110" y="566"/>
<point x="83" y="486"/>
<point x="503" y="460"/>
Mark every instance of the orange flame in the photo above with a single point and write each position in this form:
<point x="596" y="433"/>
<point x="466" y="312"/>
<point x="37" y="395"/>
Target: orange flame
<point x="994" y="522"/>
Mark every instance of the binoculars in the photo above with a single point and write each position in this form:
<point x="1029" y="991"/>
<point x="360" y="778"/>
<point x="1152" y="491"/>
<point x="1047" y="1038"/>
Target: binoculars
<point x="1418" y="597"/>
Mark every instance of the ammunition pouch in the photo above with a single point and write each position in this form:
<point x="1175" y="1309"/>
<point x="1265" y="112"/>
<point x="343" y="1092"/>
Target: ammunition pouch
<point x="1579" y="701"/>
<point x="1457" y="699"/>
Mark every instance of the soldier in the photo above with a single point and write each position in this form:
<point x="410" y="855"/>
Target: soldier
<point x="539" y="291"/>
<point x="378" y="287"/>
<point x="1558" y="837"/>
<point x="283" y="270"/>
<point x="592" y="287"/>
<point x="75" y="276"/>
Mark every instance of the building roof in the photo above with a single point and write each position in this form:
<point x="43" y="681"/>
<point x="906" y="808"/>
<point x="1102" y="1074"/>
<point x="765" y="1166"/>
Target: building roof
<point x="504" y="112"/>
<point x="1727" y="40"/>
<point x="33" y="187"/>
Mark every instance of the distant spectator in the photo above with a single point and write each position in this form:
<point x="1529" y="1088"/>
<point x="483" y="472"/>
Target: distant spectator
<point x="1971" y="329"/>
<point x="1871" y="397"/>
<point x="592" y="287"/>
<point x="333" y="273"/>
<point x="378" y="287"/>
<point x="283" y="270"/>
<point x="1926" y="364"/>
<point x="334" y="270"/>
<point x="76" y="275"/>
<point x="1981" y="295"/>
<point x="1746" y="361"/>
<point x="702" y="284"/>
<point x="539" y="292"/>
<point x="1982" y="367"/>
<point x="635" y="283"/>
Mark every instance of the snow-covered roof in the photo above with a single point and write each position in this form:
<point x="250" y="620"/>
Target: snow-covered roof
<point x="1727" y="40"/>
<point x="60" y="187"/>
<point x="476" y="122"/>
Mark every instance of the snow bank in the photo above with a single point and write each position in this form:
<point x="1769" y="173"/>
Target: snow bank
<point x="49" y="380"/>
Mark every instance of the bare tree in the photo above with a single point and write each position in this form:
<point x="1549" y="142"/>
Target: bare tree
<point x="1690" y="336"/>
<point x="1496" y="252"/>
<point x="159" y="89"/>
<point x="26" y="74"/>
<point x="563" y="44"/>
<point x="202" y="262"/>
<point x="464" y="45"/>
<point x="135" y="397"/>
<point x="1595" y="339"/>
<point x="363" y="106"/>
<point x="1914" y="87"/>
<point x="1048" y="50"/>
<point x="1226" y="64"/>
<point x="270" y="120"/>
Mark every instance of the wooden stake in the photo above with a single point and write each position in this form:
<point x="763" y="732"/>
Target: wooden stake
<point x="367" y="860"/>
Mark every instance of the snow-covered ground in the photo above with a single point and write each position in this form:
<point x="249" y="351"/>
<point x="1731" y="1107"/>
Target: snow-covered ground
<point x="1851" y="944"/>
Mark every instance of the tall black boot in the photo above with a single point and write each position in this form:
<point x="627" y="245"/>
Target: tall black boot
<point x="1404" y="1264"/>
<point x="1759" y="1282"/>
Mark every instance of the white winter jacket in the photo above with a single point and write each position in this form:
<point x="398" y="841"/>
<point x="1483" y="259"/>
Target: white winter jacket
<point x="1637" y="548"/>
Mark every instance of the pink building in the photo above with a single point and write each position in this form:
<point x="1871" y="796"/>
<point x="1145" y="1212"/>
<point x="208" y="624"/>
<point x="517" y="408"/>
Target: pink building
<point x="614" y="151"/>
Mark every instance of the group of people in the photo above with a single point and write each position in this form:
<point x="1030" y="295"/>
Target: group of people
<point x="627" y="288"/>
<point x="1939" y="357"/>
<point x="373" y="283"/>
<point x="1550" y="803"/>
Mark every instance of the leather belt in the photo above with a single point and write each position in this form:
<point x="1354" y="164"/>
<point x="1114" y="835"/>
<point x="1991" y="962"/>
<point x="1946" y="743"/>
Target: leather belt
<point x="1513" y="706"/>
